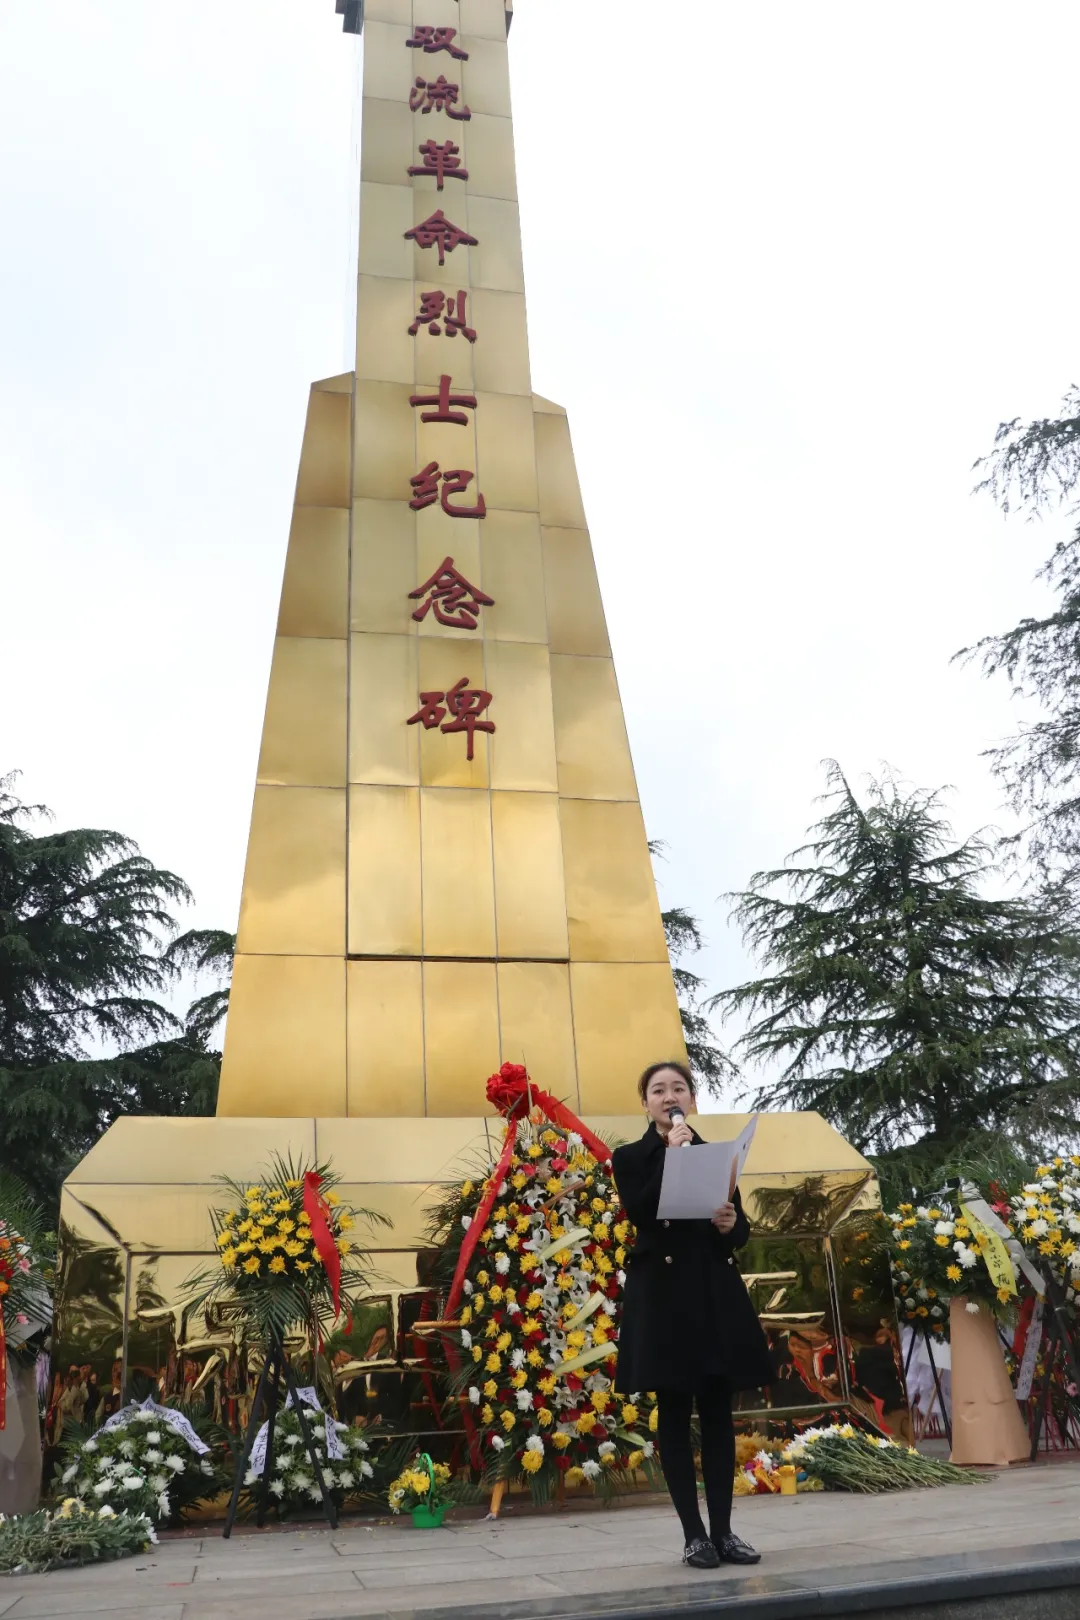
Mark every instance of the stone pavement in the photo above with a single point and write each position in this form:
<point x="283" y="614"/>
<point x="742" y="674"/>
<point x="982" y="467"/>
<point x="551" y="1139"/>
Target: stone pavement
<point x="585" y="1559"/>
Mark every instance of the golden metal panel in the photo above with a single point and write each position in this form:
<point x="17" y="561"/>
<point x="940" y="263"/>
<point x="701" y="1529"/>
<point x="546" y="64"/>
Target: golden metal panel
<point x="496" y="260"/>
<point x="485" y="77"/>
<point x="386" y="213"/>
<point x="384" y="871"/>
<point x="293" y="900"/>
<point x="611" y="904"/>
<point x="560" y="496"/>
<point x="384" y="692"/>
<point x="433" y="356"/>
<point x="304" y="729"/>
<point x="437" y="537"/>
<point x="375" y="1151"/>
<point x="451" y="446"/>
<point x="285" y="1037"/>
<point x="489" y="150"/>
<point x="575" y="612"/>
<point x="501" y="350"/>
<point x="461" y="1032"/>
<point x="385" y="307"/>
<point x="512" y="572"/>
<point x="590" y="734"/>
<point x="625" y="1017"/>
<point x="385" y="1046"/>
<point x="323" y="478"/>
<point x="504" y="446"/>
<point x="523" y="748"/>
<point x="388" y="65"/>
<point x="484" y="19"/>
<point x="444" y="760"/>
<point x="424" y="262"/>
<point x="138" y="1148"/>
<point x="536" y="1025"/>
<point x="315" y="590"/>
<point x="385" y="442"/>
<point x="387" y="11"/>
<point x="530" y="896"/>
<point x="384" y="567"/>
<point x="388" y="138"/>
<point x="458" y="897"/>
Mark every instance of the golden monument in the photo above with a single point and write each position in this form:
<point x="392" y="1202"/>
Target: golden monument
<point x="447" y="866"/>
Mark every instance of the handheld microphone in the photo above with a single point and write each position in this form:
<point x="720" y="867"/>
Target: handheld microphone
<point x="677" y="1117"/>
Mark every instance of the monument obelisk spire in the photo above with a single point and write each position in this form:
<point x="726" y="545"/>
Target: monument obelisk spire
<point x="447" y="865"/>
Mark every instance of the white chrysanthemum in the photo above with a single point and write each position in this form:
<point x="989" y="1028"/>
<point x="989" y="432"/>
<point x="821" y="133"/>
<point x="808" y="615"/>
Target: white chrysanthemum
<point x="347" y="1478"/>
<point x="366" y="1470"/>
<point x="292" y="1439"/>
<point x="497" y="1442"/>
<point x="943" y="1228"/>
<point x="300" y="1482"/>
<point x="922" y="1212"/>
<point x="534" y="1443"/>
<point x="923" y="1293"/>
<point x="590" y="1469"/>
<point x="466" y="1338"/>
<point x="159" y="1481"/>
<point x="177" y="1464"/>
<point x="606" y="1448"/>
<point x="152" y="1455"/>
<point x="1073" y="1222"/>
<point x="620" y="1277"/>
<point x="1074" y="1261"/>
<point x="524" y="1399"/>
<point x="250" y="1477"/>
<point x="154" y="1437"/>
<point x="972" y="1308"/>
<point x="466" y="1222"/>
<point x="967" y="1258"/>
<point x="474" y="1395"/>
<point x="127" y="1447"/>
<point x="517" y="1360"/>
<point x="69" y="1473"/>
<point x="130" y="1483"/>
<point x="648" y="1448"/>
<point x="102" y="1487"/>
<point x="106" y="1512"/>
<point x="513" y="1308"/>
<point x="500" y="1229"/>
<point x="1039" y="1227"/>
<point x="357" y="1441"/>
<point x="91" y="1445"/>
<point x="468" y="1287"/>
<point x="573" y="1139"/>
<point x="277" y="1487"/>
<point x="502" y="1264"/>
<point x="936" y="1310"/>
<point x="142" y="1417"/>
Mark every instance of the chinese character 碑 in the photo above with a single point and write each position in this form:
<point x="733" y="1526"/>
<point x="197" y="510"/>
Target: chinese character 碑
<point x="426" y="491"/>
<point x="429" y="39"/>
<point x="456" y="602"/>
<point x="450" y="309"/>
<point x="438" y="95"/>
<point x="466" y="704"/>
<point x="438" y="231"/>
<point x="442" y="401"/>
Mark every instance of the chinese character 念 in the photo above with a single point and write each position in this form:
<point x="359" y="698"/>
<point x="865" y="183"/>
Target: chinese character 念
<point x="447" y="307"/>
<point x="441" y="161"/>
<point x="466" y="704"/>
<point x="438" y="231"/>
<point x="442" y="402"/>
<point x="438" y="95"/>
<point x="456" y="602"/>
<point x="426" y="491"/>
<point x="428" y="39"/>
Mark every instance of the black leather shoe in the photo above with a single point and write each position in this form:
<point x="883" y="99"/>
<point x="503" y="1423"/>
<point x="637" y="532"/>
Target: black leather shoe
<point x="701" y="1554"/>
<point x="732" y="1549"/>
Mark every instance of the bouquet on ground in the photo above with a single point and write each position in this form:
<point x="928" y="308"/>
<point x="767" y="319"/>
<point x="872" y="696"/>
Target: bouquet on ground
<point x="1045" y="1218"/>
<point x="31" y="1543"/>
<point x="342" y="1454"/>
<point x="147" y="1459"/>
<point x="26" y="1269"/>
<point x="423" y="1489"/>
<point x="541" y="1297"/>
<point x="286" y="1251"/>
<point x="936" y="1256"/>
<point x="844" y="1458"/>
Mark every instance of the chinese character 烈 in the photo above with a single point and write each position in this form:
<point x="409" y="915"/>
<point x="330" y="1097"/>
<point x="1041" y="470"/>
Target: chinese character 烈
<point x="466" y="704"/>
<point x="426" y="491"/>
<point x="456" y="603"/>
<point x="438" y="231"/>
<point x="450" y="309"/>
<point x="438" y="95"/>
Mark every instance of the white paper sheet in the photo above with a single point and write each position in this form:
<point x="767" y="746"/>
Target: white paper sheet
<point x="700" y="1179"/>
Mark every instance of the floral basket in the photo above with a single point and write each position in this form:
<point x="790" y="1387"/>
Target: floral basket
<point x="422" y="1490"/>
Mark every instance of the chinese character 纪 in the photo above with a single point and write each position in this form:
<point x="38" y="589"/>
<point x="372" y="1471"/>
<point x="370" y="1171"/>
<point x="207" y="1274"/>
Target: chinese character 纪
<point x="450" y="309"/>
<point x="443" y="401"/>
<point x="438" y="231"/>
<point x="426" y="491"/>
<point x="438" y="95"/>
<point x="466" y="704"/>
<point x="429" y="39"/>
<point x="441" y="160"/>
<point x="456" y="603"/>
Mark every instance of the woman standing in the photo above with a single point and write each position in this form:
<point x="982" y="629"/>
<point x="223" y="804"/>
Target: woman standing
<point x="688" y="1329"/>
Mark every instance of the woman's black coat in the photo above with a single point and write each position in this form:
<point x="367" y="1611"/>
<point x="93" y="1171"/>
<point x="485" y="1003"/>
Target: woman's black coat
<point x="686" y="1314"/>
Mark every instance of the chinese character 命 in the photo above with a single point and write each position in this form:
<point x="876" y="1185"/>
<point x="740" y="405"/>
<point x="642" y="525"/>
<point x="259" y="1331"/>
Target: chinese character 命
<point x="438" y="231"/>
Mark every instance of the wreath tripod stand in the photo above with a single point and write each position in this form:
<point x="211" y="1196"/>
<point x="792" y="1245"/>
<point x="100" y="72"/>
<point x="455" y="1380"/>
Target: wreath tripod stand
<point x="275" y="1370"/>
<point x="1059" y="1358"/>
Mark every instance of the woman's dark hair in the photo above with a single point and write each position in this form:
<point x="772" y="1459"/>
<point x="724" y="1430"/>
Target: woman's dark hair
<point x="654" y="1068"/>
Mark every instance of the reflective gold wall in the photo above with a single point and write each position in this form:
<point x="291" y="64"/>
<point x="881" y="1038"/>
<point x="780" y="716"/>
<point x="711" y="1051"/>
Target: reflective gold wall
<point x="410" y="918"/>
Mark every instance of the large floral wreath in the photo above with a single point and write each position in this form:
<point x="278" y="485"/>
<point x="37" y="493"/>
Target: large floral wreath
<point x="535" y="1304"/>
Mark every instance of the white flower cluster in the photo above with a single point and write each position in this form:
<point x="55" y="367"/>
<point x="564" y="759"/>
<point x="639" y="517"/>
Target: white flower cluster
<point x="137" y="1464"/>
<point x="293" y="1482"/>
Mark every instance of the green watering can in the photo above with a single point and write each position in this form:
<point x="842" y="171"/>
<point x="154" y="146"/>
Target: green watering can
<point x="425" y="1517"/>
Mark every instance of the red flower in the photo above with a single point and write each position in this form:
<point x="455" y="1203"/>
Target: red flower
<point x="558" y="1164"/>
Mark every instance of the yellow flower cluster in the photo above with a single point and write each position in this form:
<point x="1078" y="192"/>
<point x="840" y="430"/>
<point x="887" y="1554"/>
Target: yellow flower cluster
<point x="269" y="1233"/>
<point x="1046" y="1216"/>
<point x="413" y="1486"/>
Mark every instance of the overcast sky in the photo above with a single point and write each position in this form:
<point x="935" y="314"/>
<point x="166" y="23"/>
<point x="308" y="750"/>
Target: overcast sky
<point x="788" y="265"/>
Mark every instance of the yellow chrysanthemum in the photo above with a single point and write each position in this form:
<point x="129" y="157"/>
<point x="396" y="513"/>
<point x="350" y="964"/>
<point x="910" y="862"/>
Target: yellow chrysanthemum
<point x="486" y="1415"/>
<point x="600" y="1399"/>
<point x="635" y="1459"/>
<point x="544" y="1416"/>
<point x="507" y="1419"/>
<point x="492" y="1329"/>
<point x="653" y="1420"/>
<point x="520" y="1378"/>
<point x="493" y="1362"/>
<point x="905" y="1243"/>
<point x="518" y="1179"/>
<point x="531" y="1461"/>
<point x="534" y="1358"/>
<point x="292" y="1248"/>
<point x="629" y="1415"/>
<point x="953" y="1273"/>
<point x="512" y="1240"/>
<point x="574" y="1476"/>
<point x="278" y="1263"/>
<point x="466" y="1188"/>
<point x="228" y="1257"/>
<point x="942" y="1241"/>
<point x="478" y="1303"/>
<point x="286" y="1227"/>
<point x="523" y="1223"/>
<point x="546" y="1385"/>
<point x="244" y="1226"/>
<point x="252" y="1263"/>
<point x="344" y="1246"/>
<point x="503" y="1342"/>
<point x="303" y="1265"/>
<point x="586" y="1423"/>
<point x="560" y="1441"/>
<point x="495" y="1293"/>
<point x="267" y="1245"/>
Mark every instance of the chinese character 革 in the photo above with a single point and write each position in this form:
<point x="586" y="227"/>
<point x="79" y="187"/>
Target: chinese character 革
<point x="429" y="39"/>
<point x="456" y="602"/>
<point x="466" y="704"/>
<point x="449" y="308"/>
<point x="441" y="160"/>
<point x="426" y="491"/>
<point x="438" y="231"/>
<point x="442" y="401"/>
<point x="438" y="95"/>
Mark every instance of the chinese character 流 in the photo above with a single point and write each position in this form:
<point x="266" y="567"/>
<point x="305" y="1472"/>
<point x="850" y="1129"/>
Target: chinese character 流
<point x="438" y="95"/>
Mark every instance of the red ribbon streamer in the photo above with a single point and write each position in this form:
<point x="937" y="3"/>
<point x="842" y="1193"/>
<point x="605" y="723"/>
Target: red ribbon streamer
<point x="317" y="1211"/>
<point x="3" y="1369"/>
<point x="514" y="1095"/>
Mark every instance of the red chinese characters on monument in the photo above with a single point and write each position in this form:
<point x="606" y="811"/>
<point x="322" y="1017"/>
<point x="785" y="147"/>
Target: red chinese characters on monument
<point x="447" y="307"/>
<point x="438" y="231"/>
<point x="438" y="95"/>
<point x="430" y="40"/>
<point x="465" y="705"/>
<point x="440" y="159"/>
<point x="443" y="403"/>
<point x="426" y="491"/>
<point x="456" y="603"/>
